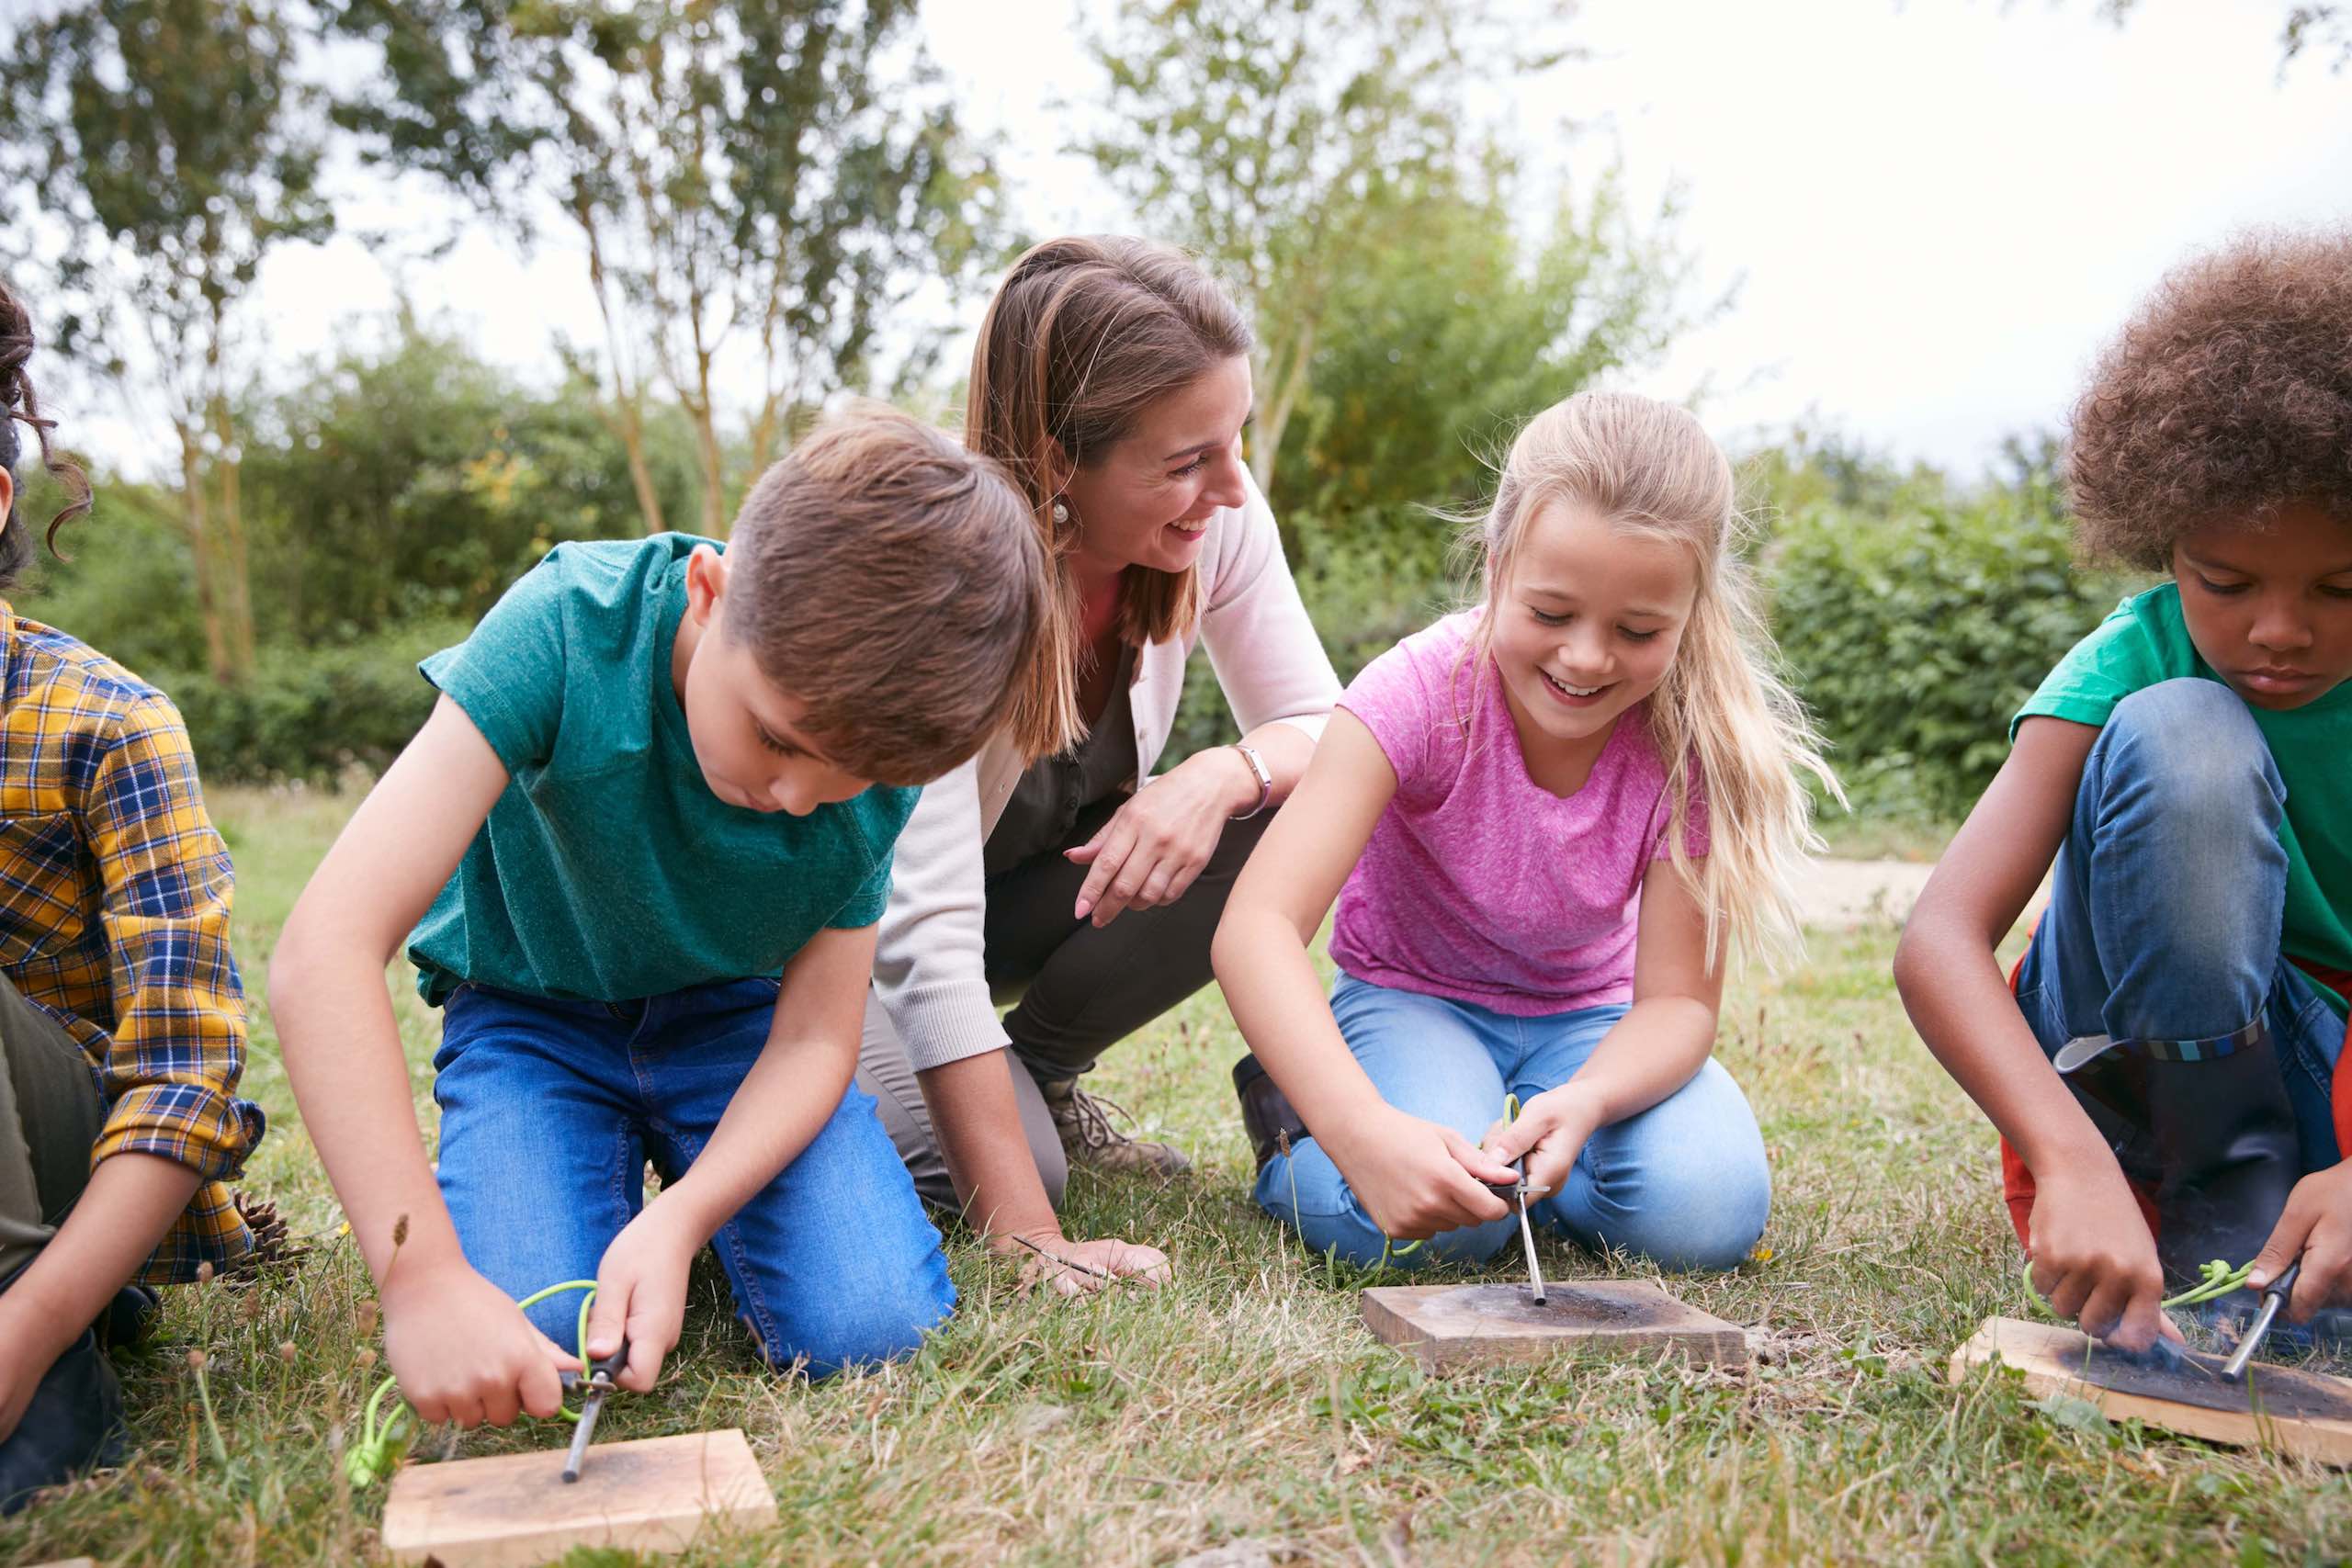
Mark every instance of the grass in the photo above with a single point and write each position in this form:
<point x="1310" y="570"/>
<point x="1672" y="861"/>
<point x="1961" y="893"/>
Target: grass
<point x="1245" y="1404"/>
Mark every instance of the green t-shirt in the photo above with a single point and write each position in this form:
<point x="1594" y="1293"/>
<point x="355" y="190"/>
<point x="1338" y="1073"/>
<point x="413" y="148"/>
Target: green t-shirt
<point x="606" y="870"/>
<point x="2146" y="641"/>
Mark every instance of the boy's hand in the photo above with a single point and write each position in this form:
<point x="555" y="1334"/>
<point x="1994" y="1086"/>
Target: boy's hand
<point x="2094" y="1259"/>
<point x="464" y="1352"/>
<point x="1417" y="1178"/>
<point x="1551" y="1132"/>
<point x="2317" y="1228"/>
<point x="1100" y="1263"/>
<point x="642" y="1294"/>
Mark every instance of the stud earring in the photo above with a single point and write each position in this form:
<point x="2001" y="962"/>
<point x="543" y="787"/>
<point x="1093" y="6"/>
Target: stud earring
<point x="1061" y="511"/>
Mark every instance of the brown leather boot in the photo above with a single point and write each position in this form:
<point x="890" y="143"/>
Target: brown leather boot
<point x="1090" y="1138"/>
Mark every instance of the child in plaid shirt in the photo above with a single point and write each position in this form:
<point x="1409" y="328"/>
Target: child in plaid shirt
<point x="122" y="1026"/>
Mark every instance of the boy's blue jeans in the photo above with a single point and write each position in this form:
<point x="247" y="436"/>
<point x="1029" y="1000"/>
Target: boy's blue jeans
<point x="1683" y="1183"/>
<point x="2165" y="909"/>
<point x="549" y="1110"/>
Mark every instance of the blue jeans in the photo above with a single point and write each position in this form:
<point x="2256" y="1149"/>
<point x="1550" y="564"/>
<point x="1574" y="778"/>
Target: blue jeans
<point x="550" y="1109"/>
<point x="2165" y="909"/>
<point x="1683" y="1183"/>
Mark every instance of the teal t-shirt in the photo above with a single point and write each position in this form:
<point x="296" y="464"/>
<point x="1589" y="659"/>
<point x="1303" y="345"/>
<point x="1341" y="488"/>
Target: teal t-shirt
<point x="606" y="870"/>
<point x="2146" y="641"/>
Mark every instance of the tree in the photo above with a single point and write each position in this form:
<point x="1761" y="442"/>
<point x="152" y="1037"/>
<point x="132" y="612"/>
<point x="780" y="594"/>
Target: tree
<point x="1461" y="329"/>
<point x="166" y="147"/>
<point x="777" y="174"/>
<point x="1288" y="141"/>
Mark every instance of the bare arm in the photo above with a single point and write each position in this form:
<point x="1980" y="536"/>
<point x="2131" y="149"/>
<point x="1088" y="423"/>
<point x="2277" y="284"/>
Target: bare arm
<point x="131" y="1200"/>
<point x="1661" y="1043"/>
<point x="2093" y="1257"/>
<point x="458" y="1356"/>
<point x="1414" y="1177"/>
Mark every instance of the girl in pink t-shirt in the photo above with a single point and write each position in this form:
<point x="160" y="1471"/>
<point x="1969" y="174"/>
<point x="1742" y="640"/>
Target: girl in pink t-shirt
<point x="1546" y="820"/>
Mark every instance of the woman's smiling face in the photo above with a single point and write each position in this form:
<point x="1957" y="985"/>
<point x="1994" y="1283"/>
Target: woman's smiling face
<point x="1587" y="622"/>
<point x="1147" y="501"/>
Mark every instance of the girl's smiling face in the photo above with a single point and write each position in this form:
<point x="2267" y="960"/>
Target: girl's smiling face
<point x="1586" y="624"/>
<point x="2270" y="609"/>
<point x="1147" y="501"/>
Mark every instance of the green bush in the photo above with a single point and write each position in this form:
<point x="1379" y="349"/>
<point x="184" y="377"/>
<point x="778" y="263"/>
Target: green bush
<point x="1914" y="637"/>
<point x="310" y="713"/>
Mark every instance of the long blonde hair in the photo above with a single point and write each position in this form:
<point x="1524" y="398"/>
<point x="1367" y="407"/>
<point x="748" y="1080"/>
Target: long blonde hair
<point x="1721" y="712"/>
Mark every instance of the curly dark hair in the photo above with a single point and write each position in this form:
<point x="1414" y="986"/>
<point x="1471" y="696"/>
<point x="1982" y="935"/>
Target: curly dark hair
<point x="17" y="402"/>
<point x="2227" y="397"/>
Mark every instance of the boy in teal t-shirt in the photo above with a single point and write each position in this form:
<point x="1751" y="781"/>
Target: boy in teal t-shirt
<point x="2166" y="1075"/>
<point x="637" y="855"/>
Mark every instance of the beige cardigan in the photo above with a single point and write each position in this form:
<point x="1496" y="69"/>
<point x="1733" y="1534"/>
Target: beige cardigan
<point x="928" y="967"/>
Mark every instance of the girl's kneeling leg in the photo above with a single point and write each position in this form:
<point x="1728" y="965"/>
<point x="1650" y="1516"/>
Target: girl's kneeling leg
<point x="835" y="1262"/>
<point x="1684" y="1183"/>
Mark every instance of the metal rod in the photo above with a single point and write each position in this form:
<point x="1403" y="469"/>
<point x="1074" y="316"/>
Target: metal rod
<point x="590" y="1409"/>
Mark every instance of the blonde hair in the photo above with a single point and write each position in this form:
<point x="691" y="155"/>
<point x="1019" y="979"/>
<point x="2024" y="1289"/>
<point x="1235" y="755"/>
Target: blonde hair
<point x="1085" y="333"/>
<point x="1721" y="712"/>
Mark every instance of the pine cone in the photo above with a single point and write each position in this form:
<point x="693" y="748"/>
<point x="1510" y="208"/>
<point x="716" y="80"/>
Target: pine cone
<point x="274" y="1244"/>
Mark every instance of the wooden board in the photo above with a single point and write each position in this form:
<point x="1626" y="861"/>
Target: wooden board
<point x="653" y="1495"/>
<point x="1447" y="1327"/>
<point x="2302" y="1413"/>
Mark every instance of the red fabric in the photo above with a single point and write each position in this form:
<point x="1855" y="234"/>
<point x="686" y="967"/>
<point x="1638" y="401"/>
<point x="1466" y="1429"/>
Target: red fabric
<point x="2016" y="1181"/>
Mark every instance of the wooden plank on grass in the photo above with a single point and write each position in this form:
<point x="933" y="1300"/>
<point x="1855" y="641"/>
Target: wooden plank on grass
<point x="653" y="1495"/>
<point x="2284" y="1408"/>
<point x="1447" y="1327"/>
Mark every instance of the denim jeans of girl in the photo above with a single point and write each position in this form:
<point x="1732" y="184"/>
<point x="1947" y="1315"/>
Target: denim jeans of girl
<point x="550" y="1110"/>
<point x="1683" y="1183"/>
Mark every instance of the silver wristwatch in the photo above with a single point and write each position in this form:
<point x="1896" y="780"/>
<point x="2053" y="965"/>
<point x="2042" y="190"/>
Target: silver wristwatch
<point x="1265" y="780"/>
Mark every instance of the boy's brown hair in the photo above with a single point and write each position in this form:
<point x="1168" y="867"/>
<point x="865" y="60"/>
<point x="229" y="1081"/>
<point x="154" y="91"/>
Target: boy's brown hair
<point x="1084" y="334"/>
<point x="17" y="402"/>
<point x="2227" y="397"/>
<point x="894" y="582"/>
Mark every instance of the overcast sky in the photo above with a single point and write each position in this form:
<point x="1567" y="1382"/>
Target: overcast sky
<point x="1934" y="210"/>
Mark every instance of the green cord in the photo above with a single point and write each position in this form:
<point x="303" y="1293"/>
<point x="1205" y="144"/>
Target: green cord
<point x="380" y="1448"/>
<point x="2215" y="1280"/>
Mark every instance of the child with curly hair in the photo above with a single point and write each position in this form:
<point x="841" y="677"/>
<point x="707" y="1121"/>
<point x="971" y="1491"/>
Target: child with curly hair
<point x="2164" y="1074"/>
<point x="122" y="1021"/>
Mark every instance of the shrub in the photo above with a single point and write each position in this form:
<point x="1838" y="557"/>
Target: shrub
<point x="311" y="713"/>
<point x="1914" y="638"/>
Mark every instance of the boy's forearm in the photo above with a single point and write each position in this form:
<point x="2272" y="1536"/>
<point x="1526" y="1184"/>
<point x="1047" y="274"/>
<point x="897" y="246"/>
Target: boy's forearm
<point x="343" y="1054"/>
<point x="782" y="1104"/>
<point x="131" y="1201"/>
<point x="1952" y="988"/>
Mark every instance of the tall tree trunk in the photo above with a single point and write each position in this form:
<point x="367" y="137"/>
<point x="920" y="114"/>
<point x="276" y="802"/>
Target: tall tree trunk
<point x="714" y="484"/>
<point x="195" y="518"/>
<point x="627" y="420"/>
<point x="1290" y="378"/>
<point x="237" y="598"/>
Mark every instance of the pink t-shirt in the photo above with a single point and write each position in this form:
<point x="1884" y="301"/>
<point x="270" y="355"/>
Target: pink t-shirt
<point x="1477" y="884"/>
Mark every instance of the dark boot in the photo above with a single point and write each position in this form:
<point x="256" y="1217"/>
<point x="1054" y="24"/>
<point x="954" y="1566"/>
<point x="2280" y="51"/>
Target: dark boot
<point x="1266" y="1114"/>
<point x="73" y="1423"/>
<point x="124" y="1325"/>
<point x="2220" y="1130"/>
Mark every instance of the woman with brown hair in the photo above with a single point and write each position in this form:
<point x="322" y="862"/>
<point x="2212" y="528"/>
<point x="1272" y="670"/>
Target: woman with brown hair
<point x="1111" y="380"/>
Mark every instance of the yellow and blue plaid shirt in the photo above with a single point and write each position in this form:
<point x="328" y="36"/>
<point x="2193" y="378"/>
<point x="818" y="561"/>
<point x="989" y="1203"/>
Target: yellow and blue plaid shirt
<point x="114" y="918"/>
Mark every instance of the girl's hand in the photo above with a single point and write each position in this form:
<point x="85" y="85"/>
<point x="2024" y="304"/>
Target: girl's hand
<point x="1417" y="1178"/>
<point x="642" y="1295"/>
<point x="1153" y="848"/>
<point x="464" y="1352"/>
<point x="2317" y="1228"/>
<point x="1551" y="1132"/>
<point x="2094" y="1261"/>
